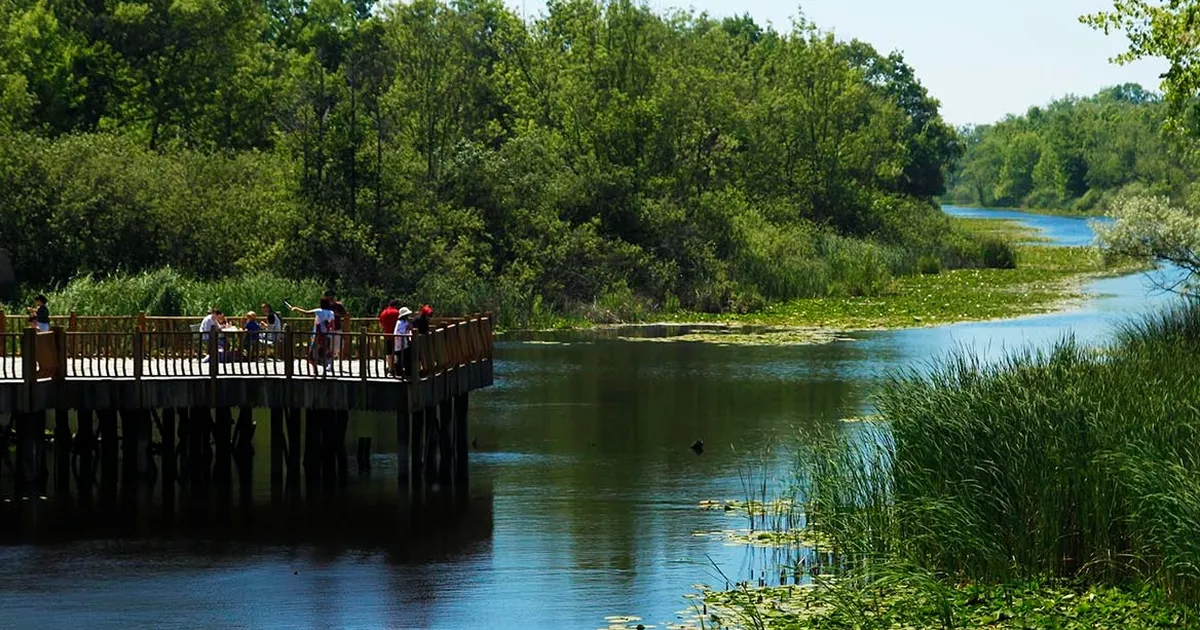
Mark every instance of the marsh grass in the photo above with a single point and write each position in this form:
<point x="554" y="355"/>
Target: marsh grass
<point x="1066" y="463"/>
<point x="168" y="292"/>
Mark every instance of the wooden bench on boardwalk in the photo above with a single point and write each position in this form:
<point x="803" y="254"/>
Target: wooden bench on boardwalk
<point x="142" y="373"/>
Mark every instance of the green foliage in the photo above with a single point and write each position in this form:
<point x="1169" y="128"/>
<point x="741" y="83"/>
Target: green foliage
<point x="167" y="292"/>
<point x="929" y="265"/>
<point x="455" y="154"/>
<point x="1152" y="228"/>
<point x="1066" y="463"/>
<point x="1073" y="154"/>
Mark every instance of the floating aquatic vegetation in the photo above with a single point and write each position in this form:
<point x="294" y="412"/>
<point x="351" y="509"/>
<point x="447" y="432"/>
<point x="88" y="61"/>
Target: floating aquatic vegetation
<point x="857" y="419"/>
<point x="747" y="508"/>
<point x="769" y="538"/>
<point x="625" y="622"/>
<point x="736" y="336"/>
<point x="849" y="603"/>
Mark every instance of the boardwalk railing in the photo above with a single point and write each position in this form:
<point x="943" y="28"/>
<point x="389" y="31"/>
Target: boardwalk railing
<point x="159" y="347"/>
<point x="150" y="323"/>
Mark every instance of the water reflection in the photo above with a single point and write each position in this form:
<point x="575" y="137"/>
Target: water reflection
<point x="333" y="559"/>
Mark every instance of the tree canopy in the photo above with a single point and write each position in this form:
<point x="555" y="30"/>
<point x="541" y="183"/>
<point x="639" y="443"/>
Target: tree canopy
<point x="453" y="150"/>
<point x="1161" y="226"/>
<point x="1073" y="153"/>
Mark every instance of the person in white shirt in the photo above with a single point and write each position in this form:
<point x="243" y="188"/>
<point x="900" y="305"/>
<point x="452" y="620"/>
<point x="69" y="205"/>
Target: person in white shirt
<point x="319" y="348"/>
<point x="210" y="325"/>
<point x="402" y="337"/>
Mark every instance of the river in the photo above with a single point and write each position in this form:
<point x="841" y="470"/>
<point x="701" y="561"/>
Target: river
<point x="584" y="492"/>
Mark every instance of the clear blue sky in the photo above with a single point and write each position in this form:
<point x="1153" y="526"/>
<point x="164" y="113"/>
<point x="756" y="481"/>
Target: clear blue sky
<point x="982" y="59"/>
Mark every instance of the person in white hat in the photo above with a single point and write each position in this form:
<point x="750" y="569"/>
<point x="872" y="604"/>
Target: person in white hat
<point x="403" y="336"/>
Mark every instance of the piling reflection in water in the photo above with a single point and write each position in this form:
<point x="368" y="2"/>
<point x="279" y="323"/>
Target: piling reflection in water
<point x="355" y="515"/>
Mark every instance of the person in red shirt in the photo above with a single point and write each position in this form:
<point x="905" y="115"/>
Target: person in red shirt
<point x="422" y="323"/>
<point x="387" y="323"/>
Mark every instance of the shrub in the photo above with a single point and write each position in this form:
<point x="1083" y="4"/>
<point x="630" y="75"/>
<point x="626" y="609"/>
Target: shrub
<point x="929" y="265"/>
<point x="998" y="254"/>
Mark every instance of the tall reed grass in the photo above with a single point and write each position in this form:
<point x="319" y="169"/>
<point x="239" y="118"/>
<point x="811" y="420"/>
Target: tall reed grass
<point x="167" y="292"/>
<point x="1071" y="463"/>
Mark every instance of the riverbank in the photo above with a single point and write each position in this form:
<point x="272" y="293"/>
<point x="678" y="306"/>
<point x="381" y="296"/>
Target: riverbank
<point x="1046" y="279"/>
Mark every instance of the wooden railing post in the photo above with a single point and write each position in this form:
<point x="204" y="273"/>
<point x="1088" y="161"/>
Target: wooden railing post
<point x="29" y="355"/>
<point x="213" y="360"/>
<point x="289" y="354"/>
<point x="141" y="320"/>
<point x="73" y="322"/>
<point x="363" y="352"/>
<point x="139" y="351"/>
<point x="60" y="350"/>
<point x="3" y="329"/>
<point x="414" y="357"/>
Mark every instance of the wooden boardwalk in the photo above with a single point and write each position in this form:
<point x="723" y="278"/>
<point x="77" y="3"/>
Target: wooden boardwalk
<point x="141" y="381"/>
<point x="168" y="367"/>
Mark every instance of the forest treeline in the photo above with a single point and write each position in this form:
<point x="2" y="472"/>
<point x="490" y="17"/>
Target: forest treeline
<point x="1073" y="154"/>
<point x="601" y="154"/>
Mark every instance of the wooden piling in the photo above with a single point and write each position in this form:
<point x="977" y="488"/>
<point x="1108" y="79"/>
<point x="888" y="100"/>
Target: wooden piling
<point x="108" y="448"/>
<point x="135" y="443"/>
<point x="403" y="419"/>
<point x="31" y="430"/>
<point x="63" y="444"/>
<point x="460" y="441"/>
<point x="167" y="431"/>
<point x="416" y="448"/>
<point x="341" y="425"/>
<point x="429" y="455"/>
<point x="292" y="420"/>
<point x="277" y="447"/>
<point x="199" y="419"/>
<point x="222" y="428"/>
<point x="312" y="446"/>
<point x="85" y="446"/>
<point x="243" y="432"/>
<point x="184" y="450"/>
<point x="362" y="455"/>
<point x="445" y="447"/>
<point x="329" y="446"/>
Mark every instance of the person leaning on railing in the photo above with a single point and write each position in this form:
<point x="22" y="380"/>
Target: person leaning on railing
<point x="319" y="348"/>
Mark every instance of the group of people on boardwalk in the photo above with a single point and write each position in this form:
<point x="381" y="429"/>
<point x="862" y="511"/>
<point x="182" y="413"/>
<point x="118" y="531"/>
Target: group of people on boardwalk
<point x="263" y="328"/>
<point x="254" y="331"/>
<point x="395" y="320"/>
<point x="398" y="319"/>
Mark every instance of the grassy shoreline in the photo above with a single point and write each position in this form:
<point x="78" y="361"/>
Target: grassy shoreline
<point x="1046" y="279"/>
<point x="1055" y="488"/>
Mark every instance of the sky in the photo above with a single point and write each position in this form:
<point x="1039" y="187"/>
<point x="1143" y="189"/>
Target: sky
<point x="982" y="59"/>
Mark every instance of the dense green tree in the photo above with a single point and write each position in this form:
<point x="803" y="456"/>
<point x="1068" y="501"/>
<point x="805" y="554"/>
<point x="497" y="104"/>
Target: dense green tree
<point x="598" y="155"/>
<point x="1073" y="153"/>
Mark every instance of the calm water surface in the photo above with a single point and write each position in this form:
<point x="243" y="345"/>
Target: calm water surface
<point x="582" y="504"/>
